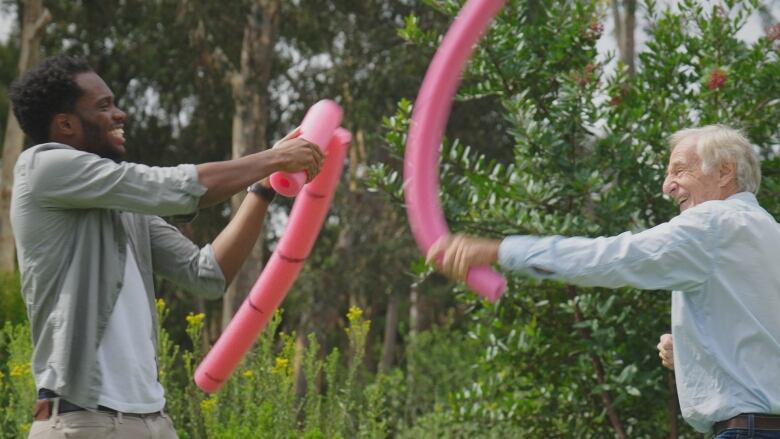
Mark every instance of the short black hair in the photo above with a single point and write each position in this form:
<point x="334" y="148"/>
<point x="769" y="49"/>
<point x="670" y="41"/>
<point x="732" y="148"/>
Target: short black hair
<point x="46" y="90"/>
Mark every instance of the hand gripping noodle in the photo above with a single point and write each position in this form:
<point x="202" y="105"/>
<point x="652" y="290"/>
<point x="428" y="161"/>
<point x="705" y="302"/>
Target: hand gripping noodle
<point x="431" y="111"/>
<point x="306" y="218"/>
<point x="317" y="127"/>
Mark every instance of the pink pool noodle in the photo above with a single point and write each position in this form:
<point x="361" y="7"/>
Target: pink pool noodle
<point x="431" y="111"/>
<point x="306" y="218"/>
<point x="317" y="127"/>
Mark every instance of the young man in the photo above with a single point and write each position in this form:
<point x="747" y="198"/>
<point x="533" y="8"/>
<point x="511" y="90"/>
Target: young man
<point x="715" y="255"/>
<point x="89" y="241"/>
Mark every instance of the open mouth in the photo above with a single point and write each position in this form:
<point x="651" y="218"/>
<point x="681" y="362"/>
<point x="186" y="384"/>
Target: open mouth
<point x="117" y="134"/>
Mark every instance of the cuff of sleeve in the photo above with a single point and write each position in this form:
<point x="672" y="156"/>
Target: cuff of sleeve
<point x="210" y="273"/>
<point x="191" y="183"/>
<point x="513" y="252"/>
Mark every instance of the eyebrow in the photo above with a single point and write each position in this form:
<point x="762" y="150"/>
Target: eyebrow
<point x="674" y="165"/>
<point x="105" y="99"/>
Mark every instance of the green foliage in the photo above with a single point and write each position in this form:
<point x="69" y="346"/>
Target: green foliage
<point x="12" y="309"/>
<point x="17" y="388"/>
<point x="260" y="400"/>
<point x="587" y="157"/>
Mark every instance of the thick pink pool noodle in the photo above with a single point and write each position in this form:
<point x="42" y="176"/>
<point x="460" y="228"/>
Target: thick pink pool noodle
<point x="317" y="127"/>
<point x="431" y="111"/>
<point x="306" y="218"/>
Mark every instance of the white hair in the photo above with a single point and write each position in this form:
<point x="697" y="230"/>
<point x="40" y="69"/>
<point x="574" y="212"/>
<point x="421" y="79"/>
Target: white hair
<point x="718" y="144"/>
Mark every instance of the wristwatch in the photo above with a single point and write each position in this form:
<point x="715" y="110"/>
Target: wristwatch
<point x="266" y="193"/>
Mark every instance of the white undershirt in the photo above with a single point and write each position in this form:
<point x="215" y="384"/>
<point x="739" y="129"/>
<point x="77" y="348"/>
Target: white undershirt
<point x="126" y="355"/>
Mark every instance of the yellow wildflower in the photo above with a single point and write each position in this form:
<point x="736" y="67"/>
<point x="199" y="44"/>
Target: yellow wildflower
<point x="207" y="405"/>
<point x="355" y="313"/>
<point x="160" y="304"/>
<point x="195" y="319"/>
<point x="19" y="370"/>
<point x="281" y="365"/>
<point x="248" y="374"/>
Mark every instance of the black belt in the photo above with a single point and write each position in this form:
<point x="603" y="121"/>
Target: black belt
<point x="44" y="408"/>
<point x="760" y="422"/>
<point x="67" y="407"/>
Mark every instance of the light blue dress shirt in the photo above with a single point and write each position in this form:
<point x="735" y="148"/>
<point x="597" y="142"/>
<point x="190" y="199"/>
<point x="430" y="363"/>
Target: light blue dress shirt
<point x="717" y="257"/>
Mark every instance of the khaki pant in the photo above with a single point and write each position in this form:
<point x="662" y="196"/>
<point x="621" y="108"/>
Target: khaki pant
<point x="88" y="425"/>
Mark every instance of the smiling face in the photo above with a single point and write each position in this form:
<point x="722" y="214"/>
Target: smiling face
<point x="98" y="123"/>
<point x="685" y="181"/>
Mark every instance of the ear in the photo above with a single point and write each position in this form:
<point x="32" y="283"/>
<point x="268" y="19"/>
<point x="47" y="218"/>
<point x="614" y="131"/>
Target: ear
<point x="63" y="125"/>
<point x="727" y="173"/>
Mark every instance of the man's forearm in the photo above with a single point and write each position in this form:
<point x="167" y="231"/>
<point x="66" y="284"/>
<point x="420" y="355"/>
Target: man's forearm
<point x="223" y="179"/>
<point x="235" y="242"/>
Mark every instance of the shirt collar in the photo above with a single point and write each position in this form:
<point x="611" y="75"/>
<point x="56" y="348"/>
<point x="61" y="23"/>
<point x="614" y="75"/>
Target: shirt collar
<point x="747" y="197"/>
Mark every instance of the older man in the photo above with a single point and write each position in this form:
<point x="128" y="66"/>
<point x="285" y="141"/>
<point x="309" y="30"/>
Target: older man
<point x="714" y="255"/>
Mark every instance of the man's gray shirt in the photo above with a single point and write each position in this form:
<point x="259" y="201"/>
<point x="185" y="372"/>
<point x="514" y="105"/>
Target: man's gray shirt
<point x="72" y="214"/>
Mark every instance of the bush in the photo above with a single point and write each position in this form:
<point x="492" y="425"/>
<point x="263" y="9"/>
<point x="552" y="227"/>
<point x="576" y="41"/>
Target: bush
<point x="587" y="159"/>
<point x="13" y="309"/>
<point x="17" y="388"/>
<point x="258" y="401"/>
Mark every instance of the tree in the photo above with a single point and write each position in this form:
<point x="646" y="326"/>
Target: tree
<point x="248" y="77"/>
<point x="34" y="19"/>
<point x="625" y="26"/>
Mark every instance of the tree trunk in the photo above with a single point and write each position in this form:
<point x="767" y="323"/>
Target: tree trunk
<point x="249" y="87"/>
<point x="391" y="330"/>
<point x="300" y="351"/>
<point x="674" y="406"/>
<point x="414" y="311"/>
<point x="34" y="19"/>
<point x="598" y="367"/>
<point x="625" y="27"/>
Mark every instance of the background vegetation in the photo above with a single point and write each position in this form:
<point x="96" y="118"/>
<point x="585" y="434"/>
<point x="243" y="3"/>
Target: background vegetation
<point x="546" y="137"/>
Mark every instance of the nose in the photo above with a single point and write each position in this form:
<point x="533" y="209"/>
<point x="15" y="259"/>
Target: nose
<point x="119" y="115"/>
<point x="669" y="186"/>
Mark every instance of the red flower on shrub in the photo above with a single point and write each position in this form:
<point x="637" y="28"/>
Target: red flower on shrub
<point x="620" y="94"/>
<point x="773" y="32"/>
<point x="595" y="30"/>
<point x="586" y="76"/>
<point x="717" y="79"/>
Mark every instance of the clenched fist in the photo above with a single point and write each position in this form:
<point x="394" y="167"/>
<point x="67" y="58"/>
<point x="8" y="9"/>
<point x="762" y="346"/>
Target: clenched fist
<point x="458" y="253"/>
<point x="666" y="351"/>
<point x="296" y="154"/>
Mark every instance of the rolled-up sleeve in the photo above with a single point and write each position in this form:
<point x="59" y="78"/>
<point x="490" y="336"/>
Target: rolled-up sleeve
<point x="62" y="177"/>
<point x="179" y="260"/>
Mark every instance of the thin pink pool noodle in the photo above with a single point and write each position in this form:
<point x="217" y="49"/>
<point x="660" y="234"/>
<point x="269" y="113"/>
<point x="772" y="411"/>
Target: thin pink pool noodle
<point x="318" y="125"/>
<point x="429" y="119"/>
<point x="306" y="218"/>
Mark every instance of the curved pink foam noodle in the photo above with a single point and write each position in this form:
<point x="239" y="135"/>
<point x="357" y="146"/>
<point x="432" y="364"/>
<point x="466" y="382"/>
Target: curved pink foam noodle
<point x="431" y="111"/>
<point x="318" y="125"/>
<point x="306" y="218"/>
